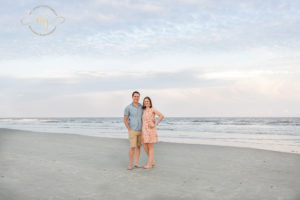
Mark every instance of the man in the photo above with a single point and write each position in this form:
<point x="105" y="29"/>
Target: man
<point x="133" y="122"/>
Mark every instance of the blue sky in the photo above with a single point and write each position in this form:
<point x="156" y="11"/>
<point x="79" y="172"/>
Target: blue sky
<point x="193" y="57"/>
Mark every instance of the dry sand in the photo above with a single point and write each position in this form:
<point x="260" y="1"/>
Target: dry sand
<point x="65" y="166"/>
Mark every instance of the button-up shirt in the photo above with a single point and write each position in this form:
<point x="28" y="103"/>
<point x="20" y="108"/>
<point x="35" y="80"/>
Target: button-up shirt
<point x="134" y="116"/>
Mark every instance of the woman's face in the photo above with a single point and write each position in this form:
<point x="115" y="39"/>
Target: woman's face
<point x="147" y="102"/>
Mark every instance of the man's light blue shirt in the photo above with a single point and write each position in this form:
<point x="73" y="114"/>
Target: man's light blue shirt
<point x="135" y="116"/>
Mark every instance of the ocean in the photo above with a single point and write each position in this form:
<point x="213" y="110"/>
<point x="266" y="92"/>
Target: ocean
<point x="277" y="134"/>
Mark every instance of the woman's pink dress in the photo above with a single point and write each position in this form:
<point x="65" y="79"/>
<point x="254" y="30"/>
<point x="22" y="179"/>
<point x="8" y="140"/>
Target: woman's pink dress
<point x="149" y="134"/>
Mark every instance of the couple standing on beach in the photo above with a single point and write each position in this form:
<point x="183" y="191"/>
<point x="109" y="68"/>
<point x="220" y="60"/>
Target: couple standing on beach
<point x="140" y="122"/>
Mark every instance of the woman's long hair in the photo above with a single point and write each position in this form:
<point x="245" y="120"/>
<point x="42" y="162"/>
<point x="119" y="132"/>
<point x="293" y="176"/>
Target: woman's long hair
<point x="144" y="107"/>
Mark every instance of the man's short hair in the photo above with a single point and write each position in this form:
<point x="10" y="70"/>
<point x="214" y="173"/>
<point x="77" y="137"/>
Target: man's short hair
<point x="135" y="92"/>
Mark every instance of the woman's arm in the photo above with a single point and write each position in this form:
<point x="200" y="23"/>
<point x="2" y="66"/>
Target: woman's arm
<point x="160" y="116"/>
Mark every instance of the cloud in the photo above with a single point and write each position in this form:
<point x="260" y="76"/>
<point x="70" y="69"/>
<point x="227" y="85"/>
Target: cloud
<point x="110" y="12"/>
<point x="192" y="92"/>
<point x="150" y="27"/>
<point x="218" y="56"/>
<point x="174" y="102"/>
<point x="91" y="81"/>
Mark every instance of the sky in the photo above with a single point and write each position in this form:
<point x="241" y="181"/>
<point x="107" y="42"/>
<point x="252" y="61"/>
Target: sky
<point x="194" y="58"/>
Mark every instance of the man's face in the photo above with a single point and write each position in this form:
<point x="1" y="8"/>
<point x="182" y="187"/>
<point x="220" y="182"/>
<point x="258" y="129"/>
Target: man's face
<point x="136" y="98"/>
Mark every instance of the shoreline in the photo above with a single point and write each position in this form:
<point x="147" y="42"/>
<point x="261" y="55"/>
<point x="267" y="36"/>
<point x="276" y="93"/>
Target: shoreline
<point x="172" y="142"/>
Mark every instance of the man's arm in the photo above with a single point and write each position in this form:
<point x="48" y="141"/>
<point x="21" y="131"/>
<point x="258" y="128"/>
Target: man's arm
<point x="126" y="122"/>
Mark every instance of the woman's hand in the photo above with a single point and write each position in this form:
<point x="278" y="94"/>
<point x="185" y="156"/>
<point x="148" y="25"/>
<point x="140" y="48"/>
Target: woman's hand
<point x="151" y="124"/>
<point x="160" y="115"/>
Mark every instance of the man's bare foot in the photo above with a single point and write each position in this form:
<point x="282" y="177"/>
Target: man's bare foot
<point x="153" y="163"/>
<point x="129" y="167"/>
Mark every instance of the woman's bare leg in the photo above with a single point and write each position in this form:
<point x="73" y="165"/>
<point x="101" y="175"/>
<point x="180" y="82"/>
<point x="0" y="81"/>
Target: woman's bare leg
<point x="151" y="155"/>
<point x="146" y="148"/>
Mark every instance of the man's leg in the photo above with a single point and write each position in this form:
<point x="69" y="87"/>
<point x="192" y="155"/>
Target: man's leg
<point x="138" y="147"/>
<point x="131" y="154"/>
<point x="132" y="141"/>
<point x="137" y="155"/>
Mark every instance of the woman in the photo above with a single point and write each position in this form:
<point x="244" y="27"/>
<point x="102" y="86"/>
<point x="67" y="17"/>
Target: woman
<point x="149" y="134"/>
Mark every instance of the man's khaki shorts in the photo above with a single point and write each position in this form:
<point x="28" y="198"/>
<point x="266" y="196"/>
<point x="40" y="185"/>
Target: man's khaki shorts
<point x="135" y="138"/>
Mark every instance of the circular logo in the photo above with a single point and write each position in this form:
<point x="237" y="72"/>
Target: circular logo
<point x="42" y="20"/>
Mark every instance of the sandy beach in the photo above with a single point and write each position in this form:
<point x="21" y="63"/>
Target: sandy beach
<point x="64" y="166"/>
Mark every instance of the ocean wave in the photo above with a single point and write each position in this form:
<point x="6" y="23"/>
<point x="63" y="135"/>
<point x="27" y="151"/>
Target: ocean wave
<point x="49" y="121"/>
<point x="5" y="120"/>
<point x="196" y="121"/>
<point x="287" y="122"/>
<point x="19" y="119"/>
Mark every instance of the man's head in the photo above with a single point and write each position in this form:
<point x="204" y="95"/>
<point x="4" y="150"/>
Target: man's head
<point x="135" y="97"/>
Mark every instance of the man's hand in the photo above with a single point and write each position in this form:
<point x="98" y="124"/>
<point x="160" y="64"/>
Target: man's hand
<point x="126" y="122"/>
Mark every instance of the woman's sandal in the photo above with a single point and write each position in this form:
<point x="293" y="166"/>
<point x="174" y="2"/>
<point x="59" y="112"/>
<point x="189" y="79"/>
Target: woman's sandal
<point x="147" y="167"/>
<point x="137" y="166"/>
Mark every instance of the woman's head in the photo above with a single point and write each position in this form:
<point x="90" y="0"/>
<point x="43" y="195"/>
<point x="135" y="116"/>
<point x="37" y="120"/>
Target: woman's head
<point x="147" y="102"/>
